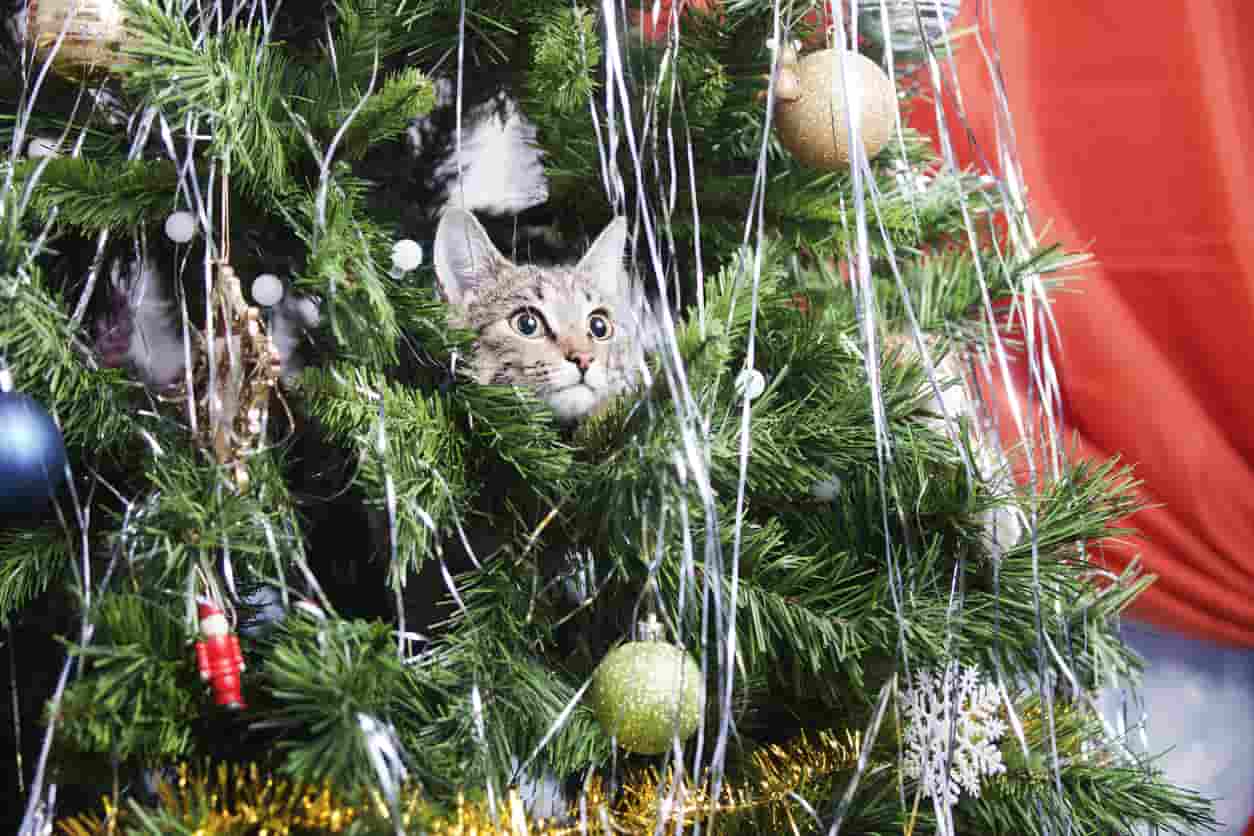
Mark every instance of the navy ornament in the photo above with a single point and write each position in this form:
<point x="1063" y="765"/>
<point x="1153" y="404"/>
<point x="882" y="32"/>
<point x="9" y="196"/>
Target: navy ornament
<point x="32" y="454"/>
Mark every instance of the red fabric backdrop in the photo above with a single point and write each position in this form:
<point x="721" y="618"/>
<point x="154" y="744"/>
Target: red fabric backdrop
<point x="1135" y="127"/>
<point x="1135" y="124"/>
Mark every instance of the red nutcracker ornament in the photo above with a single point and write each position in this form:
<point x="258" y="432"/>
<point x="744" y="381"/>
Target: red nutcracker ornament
<point x="654" y="19"/>
<point x="218" y="657"/>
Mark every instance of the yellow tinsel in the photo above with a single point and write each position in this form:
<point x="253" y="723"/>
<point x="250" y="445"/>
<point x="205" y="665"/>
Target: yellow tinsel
<point x="224" y="799"/>
<point x="234" y="799"/>
<point x="779" y="774"/>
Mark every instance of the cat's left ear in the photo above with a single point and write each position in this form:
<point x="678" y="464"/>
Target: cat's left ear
<point x="465" y="258"/>
<point x="604" y="259"/>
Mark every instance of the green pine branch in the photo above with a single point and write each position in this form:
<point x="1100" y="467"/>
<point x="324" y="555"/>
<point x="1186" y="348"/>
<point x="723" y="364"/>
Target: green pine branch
<point x="94" y="407"/>
<point x="343" y="267"/>
<point x="232" y="80"/>
<point x="320" y="678"/>
<point x="502" y="646"/>
<point x="89" y="195"/>
<point x="565" y="52"/>
<point x="1096" y="799"/>
<point x="386" y="113"/>
<point x="191" y="516"/>
<point x="31" y="561"/>
<point x="404" y="441"/>
<point x="138" y="694"/>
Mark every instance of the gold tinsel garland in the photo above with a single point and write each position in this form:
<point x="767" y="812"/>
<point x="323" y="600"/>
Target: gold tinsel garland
<point x="224" y="799"/>
<point x="233" y="799"/>
<point x="779" y="773"/>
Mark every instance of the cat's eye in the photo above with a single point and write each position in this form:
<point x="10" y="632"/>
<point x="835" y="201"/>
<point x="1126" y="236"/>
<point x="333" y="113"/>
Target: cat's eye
<point x="527" y="322"/>
<point x="599" y="326"/>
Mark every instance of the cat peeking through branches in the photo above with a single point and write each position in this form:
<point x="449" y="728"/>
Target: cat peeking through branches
<point x="570" y="333"/>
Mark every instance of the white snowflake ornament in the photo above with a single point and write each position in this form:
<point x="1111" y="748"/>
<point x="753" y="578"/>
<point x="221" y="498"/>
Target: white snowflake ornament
<point x="952" y="700"/>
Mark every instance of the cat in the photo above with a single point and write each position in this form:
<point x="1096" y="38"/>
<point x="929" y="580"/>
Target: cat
<point x="570" y="333"/>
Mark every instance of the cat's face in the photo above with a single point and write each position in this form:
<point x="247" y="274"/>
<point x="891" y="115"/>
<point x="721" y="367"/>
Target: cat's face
<point x="564" y="332"/>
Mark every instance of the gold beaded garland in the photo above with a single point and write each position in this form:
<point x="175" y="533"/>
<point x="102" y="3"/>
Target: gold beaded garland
<point x="811" y="118"/>
<point x="94" y="34"/>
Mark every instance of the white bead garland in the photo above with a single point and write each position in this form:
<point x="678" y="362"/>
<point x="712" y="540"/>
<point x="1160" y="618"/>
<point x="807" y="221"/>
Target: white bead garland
<point x="406" y="255"/>
<point x="267" y="290"/>
<point x="180" y="227"/>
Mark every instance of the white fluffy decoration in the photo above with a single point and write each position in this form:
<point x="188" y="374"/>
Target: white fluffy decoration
<point x="292" y="318"/>
<point x="156" y="350"/>
<point x="953" y="700"/>
<point x="502" y="168"/>
<point x="826" y="490"/>
<point x="1003" y="526"/>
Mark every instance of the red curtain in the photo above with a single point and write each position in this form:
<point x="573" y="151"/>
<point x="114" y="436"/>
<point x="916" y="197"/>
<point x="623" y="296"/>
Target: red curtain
<point x="1134" y="126"/>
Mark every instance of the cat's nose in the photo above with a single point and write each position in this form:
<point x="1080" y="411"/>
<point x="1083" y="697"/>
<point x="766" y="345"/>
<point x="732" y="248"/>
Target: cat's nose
<point x="582" y="359"/>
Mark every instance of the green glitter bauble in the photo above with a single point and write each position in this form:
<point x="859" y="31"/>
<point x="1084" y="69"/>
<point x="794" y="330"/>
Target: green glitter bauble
<point x="644" y="692"/>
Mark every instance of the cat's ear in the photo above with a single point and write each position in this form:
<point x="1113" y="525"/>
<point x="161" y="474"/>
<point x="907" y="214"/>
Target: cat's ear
<point x="604" y="259"/>
<point x="465" y="258"/>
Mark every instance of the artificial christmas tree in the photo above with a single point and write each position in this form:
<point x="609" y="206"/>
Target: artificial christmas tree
<point x="426" y="568"/>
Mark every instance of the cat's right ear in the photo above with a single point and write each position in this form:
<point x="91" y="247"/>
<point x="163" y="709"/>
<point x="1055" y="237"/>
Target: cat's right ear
<point x="465" y="258"/>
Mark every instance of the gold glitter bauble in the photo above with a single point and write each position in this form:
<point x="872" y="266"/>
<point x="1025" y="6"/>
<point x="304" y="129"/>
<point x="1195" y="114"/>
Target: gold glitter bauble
<point x="93" y="38"/>
<point x="814" y="125"/>
<point x="644" y="692"/>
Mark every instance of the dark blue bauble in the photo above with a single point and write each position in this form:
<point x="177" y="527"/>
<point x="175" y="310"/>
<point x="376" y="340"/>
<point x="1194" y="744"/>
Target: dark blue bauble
<point x="32" y="454"/>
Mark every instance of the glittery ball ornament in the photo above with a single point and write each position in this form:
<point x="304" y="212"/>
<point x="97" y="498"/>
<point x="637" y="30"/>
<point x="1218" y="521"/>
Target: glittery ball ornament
<point x="811" y="118"/>
<point x="32" y="454"/>
<point x="94" y="35"/>
<point x="644" y="693"/>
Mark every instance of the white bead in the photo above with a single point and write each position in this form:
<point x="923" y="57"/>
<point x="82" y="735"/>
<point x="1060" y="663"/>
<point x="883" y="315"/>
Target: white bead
<point x="827" y="490"/>
<point x="267" y="290"/>
<point x="750" y="383"/>
<point x="406" y="255"/>
<point x="41" y="146"/>
<point x="180" y="227"/>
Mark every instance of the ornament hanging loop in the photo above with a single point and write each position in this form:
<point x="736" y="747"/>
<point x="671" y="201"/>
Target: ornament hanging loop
<point x="649" y="624"/>
<point x="651" y="629"/>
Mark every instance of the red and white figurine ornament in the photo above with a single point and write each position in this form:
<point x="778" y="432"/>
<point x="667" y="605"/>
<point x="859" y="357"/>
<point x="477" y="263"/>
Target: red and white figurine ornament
<point x="218" y="656"/>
